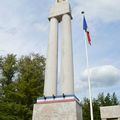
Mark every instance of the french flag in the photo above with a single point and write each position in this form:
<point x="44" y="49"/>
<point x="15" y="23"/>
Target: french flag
<point x="85" y="27"/>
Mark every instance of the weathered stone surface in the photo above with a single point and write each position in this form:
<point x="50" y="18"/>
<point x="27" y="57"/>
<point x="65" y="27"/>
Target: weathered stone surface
<point x="110" y="112"/>
<point x="58" y="111"/>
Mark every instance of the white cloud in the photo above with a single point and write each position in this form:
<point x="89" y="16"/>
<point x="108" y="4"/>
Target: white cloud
<point x="107" y="75"/>
<point x="101" y="77"/>
<point x="102" y="10"/>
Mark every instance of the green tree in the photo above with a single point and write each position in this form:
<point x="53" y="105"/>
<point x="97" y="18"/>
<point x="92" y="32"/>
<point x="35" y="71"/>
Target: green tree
<point x="21" y="82"/>
<point x="86" y="109"/>
<point x="96" y="110"/>
<point x="101" y="100"/>
<point x="108" y="100"/>
<point x="8" y="67"/>
<point x="114" y="99"/>
<point x="31" y="78"/>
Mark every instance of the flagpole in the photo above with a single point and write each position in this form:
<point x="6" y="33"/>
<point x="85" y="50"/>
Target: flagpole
<point x="88" y="76"/>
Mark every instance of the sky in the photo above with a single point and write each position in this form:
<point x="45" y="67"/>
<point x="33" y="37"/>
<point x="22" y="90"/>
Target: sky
<point x="24" y="29"/>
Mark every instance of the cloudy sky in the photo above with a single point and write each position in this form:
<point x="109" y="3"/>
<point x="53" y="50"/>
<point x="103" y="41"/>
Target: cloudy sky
<point x="24" y="29"/>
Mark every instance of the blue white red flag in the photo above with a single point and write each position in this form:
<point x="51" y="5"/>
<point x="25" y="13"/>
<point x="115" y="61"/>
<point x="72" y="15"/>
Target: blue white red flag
<point x="85" y="27"/>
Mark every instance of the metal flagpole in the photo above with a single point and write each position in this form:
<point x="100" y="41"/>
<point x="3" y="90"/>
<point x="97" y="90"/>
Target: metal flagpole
<point x="88" y="75"/>
<point x="89" y="82"/>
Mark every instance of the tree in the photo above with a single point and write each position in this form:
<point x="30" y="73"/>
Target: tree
<point x="31" y="78"/>
<point x="13" y="111"/>
<point x="21" y="83"/>
<point x="108" y="100"/>
<point x="8" y="67"/>
<point x="114" y="99"/>
<point x="86" y="109"/>
<point x="101" y="100"/>
<point x="96" y="109"/>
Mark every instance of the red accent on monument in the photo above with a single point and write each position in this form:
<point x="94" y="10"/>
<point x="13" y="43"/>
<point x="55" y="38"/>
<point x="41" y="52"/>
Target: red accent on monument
<point x="55" y="101"/>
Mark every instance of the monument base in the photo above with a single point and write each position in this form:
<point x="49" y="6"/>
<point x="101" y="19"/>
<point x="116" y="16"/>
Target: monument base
<point x="65" y="109"/>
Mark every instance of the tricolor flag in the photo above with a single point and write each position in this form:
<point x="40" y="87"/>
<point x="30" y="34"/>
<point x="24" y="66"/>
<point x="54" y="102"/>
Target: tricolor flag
<point x="85" y="27"/>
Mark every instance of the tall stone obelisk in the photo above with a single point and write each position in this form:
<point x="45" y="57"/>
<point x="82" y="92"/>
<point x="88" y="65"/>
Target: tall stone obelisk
<point x="65" y="106"/>
<point x="60" y="12"/>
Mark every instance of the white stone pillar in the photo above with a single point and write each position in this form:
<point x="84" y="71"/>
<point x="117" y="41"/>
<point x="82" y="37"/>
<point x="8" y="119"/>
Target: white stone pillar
<point x="50" y="87"/>
<point x="67" y="57"/>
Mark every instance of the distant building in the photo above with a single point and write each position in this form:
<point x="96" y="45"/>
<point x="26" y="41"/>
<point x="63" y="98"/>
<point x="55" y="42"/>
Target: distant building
<point x="110" y="112"/>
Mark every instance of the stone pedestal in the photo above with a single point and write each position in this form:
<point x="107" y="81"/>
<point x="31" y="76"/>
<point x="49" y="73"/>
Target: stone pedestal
<point x="67" y="110"/>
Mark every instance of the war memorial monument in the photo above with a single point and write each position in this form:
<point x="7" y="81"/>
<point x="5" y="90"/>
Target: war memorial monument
<point x="65" y="106"/>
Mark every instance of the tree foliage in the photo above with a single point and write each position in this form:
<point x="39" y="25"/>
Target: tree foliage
<point x="21" y="82"/>
<point x="101" y="100"/>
